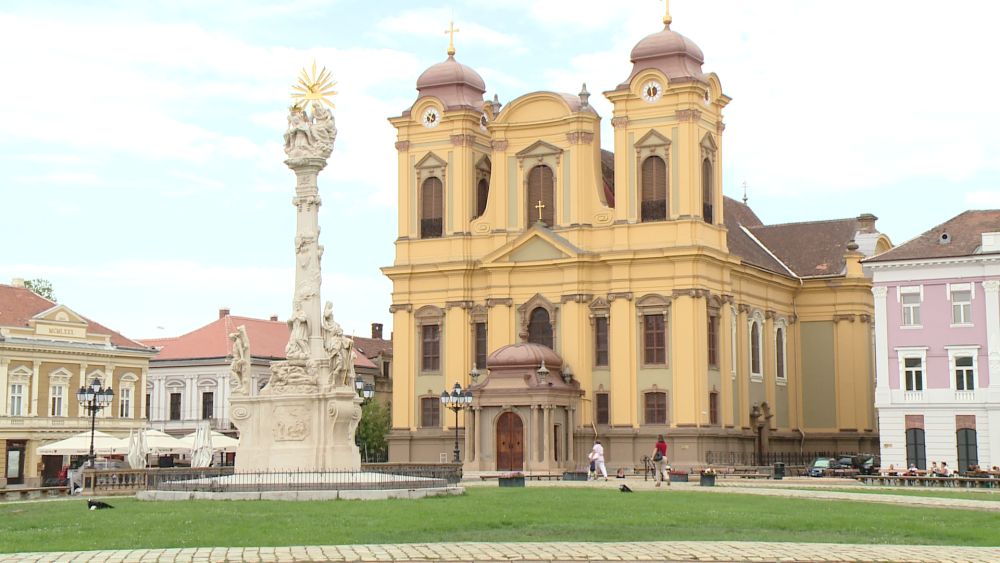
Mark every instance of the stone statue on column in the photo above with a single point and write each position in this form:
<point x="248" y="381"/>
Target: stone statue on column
<point x="240" y="366"/>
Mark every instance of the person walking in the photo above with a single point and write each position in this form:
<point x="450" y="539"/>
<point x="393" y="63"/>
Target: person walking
<point x="597" y="456"/>
<point x="660" y="460"/>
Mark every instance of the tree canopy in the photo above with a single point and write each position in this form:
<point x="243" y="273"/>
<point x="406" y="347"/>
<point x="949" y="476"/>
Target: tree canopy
<point x="41" y="287"/>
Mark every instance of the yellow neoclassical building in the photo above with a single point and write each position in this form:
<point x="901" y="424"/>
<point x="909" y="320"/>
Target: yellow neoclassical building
<point x="666" y="307"/>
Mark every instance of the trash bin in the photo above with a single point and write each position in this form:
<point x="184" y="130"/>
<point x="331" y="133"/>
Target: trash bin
<point x="779" y="470"/>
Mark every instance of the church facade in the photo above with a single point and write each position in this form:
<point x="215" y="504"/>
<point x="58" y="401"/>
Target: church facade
<point x="666" y="307"/>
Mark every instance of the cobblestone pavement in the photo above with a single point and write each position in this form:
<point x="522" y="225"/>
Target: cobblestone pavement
<point x="713" y="552"/>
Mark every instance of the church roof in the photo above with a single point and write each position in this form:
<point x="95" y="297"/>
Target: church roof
<point x="813" y="248"/>
<point x="267" y="341"/>
<point x="19" y="304"/>
<point x="964" y="235"/>
<point x="669" y="52"/>
<point x="456" y="85"/>
<point x="742" y="243"/>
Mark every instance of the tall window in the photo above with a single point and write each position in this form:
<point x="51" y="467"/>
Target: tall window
<point x="541" y="191"/>
<point x="175" y="406"/>
<point x="654" y="339"/>
<point x="540" y="327"/>
<point x="385" y="369"/>
<point x="961" y="307"/>
<point x="656" y="408"/>
<point x="431" y="208"/>
<point x="57" y="396"/>
<point x="965" y="374"/>
<point x="755" y="349"/>
<point x="125" y="403"/>
<point x="602" y="409"/>
<point x="706" y="191"/>
<point x="713" y="408"/>
<point x="431" y="357"/>
<point x="968" y="448"/>
<point x="654" y="189"/>
<point x="913" y="373"/>
<point x="779" y="354"/>
<point x="916" y="448"/>
<point x="733" y="347"/>
<point x="601" y="341"/>
<point x="207" y="405"/>
<point x="481" y="346"/>
<point x="482" y="194"/>
<point x="430" y="412"/>
<point x="713" y="338"/>
<point x="17" y="400"/>
<point x="911" y="309"/>
<point x="149" y="402"/>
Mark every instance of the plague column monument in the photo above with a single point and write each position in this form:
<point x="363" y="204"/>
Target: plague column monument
<point x="306" y="416"/>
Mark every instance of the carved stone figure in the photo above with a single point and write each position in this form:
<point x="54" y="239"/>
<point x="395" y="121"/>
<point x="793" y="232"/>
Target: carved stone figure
<point x="308" y="256"/>
<point x="339" y="348"/>
<point x="310" y="136"/>
<point x="240" y="366"/>
<point x="298" y="134"/>
<point x="324" y="130"/>
<point x="298" y="343"/>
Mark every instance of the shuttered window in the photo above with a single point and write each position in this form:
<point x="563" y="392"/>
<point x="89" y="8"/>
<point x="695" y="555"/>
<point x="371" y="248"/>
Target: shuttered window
<point x="706" y="191"/>
<point x="655" y="340"/>
<point x="654" y="189"/>
<point x="431" y="208"/>
<point x="541" y="190"/>
<point x="603" y="412"/>
<point x="481" y="345"/>
<point x="430" y="412"/>
<point x="601" y="341"/>
<point x="482" y="194"/>
<point x="540" y="327"/>
<point x="431" y="357"/>
<point x="656" y="408"/>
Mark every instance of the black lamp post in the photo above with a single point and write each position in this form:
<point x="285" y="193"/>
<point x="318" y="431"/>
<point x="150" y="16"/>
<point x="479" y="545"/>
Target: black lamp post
<point x="365" y="390"/>
<point x="456" y="401"/>
<point x="94" y="398"/>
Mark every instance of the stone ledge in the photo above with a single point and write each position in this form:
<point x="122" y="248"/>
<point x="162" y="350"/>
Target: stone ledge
<point x="353" y="494"/>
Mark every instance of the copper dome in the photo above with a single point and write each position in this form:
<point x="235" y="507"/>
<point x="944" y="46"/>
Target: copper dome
<point x="524" y="355"/>
<point x="676" y="56"/>
<point x="456" y="85"/>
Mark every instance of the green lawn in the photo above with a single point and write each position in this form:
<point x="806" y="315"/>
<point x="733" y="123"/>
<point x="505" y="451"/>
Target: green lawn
<point x="485" y="514"/>
<point x="969" y="494"/>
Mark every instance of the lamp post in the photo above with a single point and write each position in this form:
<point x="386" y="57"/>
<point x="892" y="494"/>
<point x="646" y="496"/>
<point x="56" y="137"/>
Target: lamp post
<point x="365" y="390"/>
<point x="456" y="401"/>
<point x="94" y="399"/>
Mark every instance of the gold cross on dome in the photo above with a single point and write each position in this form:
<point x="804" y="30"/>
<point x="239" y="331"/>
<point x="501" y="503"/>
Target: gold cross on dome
<point x="451" y="41"/>
<point x="666" y="17"/>
<point x="540" y="207"/>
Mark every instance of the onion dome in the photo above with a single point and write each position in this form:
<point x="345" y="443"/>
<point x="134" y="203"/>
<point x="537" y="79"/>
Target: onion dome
<point x="524" y="356"/>
<point x="676" y="56"/>
<point x="456" y="85"/>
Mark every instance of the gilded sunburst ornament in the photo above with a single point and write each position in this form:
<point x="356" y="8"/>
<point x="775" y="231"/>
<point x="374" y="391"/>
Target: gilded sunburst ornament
<point x="313" y="87"/>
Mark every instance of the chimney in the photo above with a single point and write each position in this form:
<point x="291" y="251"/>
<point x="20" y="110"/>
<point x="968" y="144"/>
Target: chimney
<point x="377" y="331"/>
<point x="17" y="282"/>
<point x="274" y="318"/>
<point x="866" y="223"/>
<point x="852" y="258"/>
<point x="223" y="312"/>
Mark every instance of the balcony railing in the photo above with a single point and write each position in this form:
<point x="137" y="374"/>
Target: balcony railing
<point x="68" y="422"/>
<point x="965" y="396"/>
<point x="913" y="396"/>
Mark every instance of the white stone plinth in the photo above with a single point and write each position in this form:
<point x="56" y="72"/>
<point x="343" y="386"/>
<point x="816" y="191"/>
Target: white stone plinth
<point x="310" y="432"/>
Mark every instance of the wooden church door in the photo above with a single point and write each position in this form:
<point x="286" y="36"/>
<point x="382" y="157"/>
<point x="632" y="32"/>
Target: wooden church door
<point x="510" y="442"/>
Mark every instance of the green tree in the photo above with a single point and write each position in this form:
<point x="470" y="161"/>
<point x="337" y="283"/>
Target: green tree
<point x="376" y="422"/>
<point x="41" y="287"/>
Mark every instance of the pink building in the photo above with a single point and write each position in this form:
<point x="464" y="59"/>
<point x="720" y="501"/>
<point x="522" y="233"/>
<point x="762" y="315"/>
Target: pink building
<point x="937" y="345"/>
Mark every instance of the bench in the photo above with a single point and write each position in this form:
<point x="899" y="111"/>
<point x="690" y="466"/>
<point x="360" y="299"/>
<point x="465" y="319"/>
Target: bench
<point x="929" y="481"/>
<point x="31" y="493"/>
<point x="556" y="474"/>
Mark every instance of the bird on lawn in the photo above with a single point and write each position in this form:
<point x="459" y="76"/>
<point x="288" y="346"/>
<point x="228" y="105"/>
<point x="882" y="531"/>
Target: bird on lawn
<point x="624" y="488"/>
<point x="95" y="504"/>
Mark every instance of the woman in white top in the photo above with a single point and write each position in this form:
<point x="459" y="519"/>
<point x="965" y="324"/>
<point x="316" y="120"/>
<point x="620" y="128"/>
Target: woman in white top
<point x="597" y="456"/>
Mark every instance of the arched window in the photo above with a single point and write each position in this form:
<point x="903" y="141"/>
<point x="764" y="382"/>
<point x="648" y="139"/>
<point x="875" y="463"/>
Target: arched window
<point x="541" y="195"/>
<point x="779" y="355"/>
<point x="540" y="327"/>
<point x="482" y="194"/>
<point x="431" y="208"/>
<point x="654" y="189"/>
<point x="755" y="349"/>
<point x="706" y="191"/>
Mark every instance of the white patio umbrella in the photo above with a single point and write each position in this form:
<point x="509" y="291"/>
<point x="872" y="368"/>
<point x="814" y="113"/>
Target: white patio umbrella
<point x="104" y="444"/>
<point x="201" y="451"/>
<point x="158" y="443"/>
<point x="137" y="449"/>
<point x="220" y="442"/>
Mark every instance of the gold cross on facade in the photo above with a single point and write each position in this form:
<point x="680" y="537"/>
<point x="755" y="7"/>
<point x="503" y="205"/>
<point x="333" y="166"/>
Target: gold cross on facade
<point x="540" y="207"/>
<point x="451" y="42"/>
<point x="666" y="17"/>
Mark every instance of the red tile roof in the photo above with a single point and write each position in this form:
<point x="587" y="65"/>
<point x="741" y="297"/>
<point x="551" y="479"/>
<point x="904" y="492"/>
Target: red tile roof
<point x="372" y="347"/>
<point x="964" y="231"/>
<point x="19" y="304"/>
<point x="267" y="341"/>
<point x="813" y="248"/>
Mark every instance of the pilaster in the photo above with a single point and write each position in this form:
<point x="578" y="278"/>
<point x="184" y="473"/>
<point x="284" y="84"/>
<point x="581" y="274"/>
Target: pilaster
<point x="686" y="358"/>
<point x="4" y="408"/>
<point x="547" y="435"/>
<point x="992" y="290"/>
<point x="623" y="353"/>
<point x="33" y="404"/>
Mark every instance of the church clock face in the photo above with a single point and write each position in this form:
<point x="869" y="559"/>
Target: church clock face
<point x="652" y="91"/>
<point x="431" y="118"/>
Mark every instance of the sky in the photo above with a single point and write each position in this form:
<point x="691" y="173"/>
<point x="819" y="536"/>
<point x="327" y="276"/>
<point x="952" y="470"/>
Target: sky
<point x="141" y="167"/>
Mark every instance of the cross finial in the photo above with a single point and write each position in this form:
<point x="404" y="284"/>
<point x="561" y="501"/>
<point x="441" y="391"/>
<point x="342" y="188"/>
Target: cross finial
<point x="451" y="41"/>
<point x="666" y="16"/>
<point x="744" y="192"/>
<point x="540" y="207"/>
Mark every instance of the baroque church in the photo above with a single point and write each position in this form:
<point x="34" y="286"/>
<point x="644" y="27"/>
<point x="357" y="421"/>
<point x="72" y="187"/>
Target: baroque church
<point x="584" y="294"/>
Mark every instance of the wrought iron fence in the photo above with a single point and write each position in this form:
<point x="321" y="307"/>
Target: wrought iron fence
<point x="127" y="481"/>
<point x="769" y="458"/>
<point x="310" y="481"/>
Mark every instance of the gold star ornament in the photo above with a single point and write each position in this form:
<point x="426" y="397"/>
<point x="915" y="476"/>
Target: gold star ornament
<point x="312" y="87"/>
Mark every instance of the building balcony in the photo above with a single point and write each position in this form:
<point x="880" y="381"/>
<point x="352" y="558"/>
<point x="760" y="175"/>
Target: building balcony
<point x="67" y="423"/>
<point x="965" y="396"/>
<point x="913" y="396"/>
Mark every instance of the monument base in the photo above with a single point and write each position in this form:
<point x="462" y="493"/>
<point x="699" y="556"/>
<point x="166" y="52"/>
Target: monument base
<point x="304" y="432"/>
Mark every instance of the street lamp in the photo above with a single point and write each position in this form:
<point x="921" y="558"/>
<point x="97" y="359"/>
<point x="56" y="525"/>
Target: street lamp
<point x="94" y="399"/>
<point x="365" y="390"/>
<point x="456" y="401"/>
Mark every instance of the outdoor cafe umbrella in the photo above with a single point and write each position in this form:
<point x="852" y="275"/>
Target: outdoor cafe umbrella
<point x="157" y="443"/>
<point x="137" y="449"/>
<point x="220" y="442"/>
<point x="201" y="450"/>
<point x="104" y="444"/>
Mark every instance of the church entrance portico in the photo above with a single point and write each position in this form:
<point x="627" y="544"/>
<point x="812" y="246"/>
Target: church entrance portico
<point x="510" y="442"/>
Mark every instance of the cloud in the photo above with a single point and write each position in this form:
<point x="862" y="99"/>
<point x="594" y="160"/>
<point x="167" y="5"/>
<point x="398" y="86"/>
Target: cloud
<point x="984" y="198"/>
<point x="427" y="23"/>
<point x="71" y="179"/>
